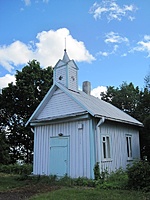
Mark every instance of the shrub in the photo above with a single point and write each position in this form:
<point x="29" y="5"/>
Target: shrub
<point x="66" y="181"/>
<point x="115" y="180"/>
<point x="139" y="175"/>
<point x="80" y="181"/>
<point x="50" y="180"/>
<point x="96" y="171"/>
<point x="24" y="169"/>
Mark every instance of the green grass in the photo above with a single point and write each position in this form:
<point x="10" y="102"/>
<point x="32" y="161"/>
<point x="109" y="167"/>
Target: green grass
<point x="92" y="194"/>
<point x="67" y="190"/>
<point x="9" y="181"/>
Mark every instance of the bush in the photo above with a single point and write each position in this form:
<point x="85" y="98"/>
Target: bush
<point x="24" y="169"/>
<point x="65" y="181"/>
<point x="82" y="181"/>
<point x="96" y="171"/>
<point x="139" y="175"/>
<point x="115" y="180"/>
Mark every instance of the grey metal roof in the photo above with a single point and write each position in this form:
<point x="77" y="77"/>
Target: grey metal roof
<point x="94" y="106"/>
<point x="99" y="108"/>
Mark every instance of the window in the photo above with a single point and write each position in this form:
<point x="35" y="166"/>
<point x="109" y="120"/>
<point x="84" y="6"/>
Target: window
<point x="106" y="147"/>
<point x="129" y="146"/>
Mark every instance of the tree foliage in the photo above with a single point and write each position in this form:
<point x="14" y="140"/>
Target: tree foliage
<point x="18" y="102"/>
<point x="4" y="149"/>
<point x="145" y="139"/>
<point x="126" y="97"/>
<point x="139" y="175"/>
<point x="147" y="81"/>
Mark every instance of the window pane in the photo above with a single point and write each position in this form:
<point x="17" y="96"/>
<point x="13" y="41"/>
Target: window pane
<point x="127" y="146"/>
<point x="104" y="150"/>
<point x="108" y="147"/>
<point x="103" y="139"/>
<point x="130" y="152"/>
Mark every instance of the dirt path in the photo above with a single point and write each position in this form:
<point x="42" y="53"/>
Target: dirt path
<point x="26" y="192"/>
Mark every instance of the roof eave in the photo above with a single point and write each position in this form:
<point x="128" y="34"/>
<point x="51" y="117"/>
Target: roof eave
<point x="121" y="121"/>
<point x="69" y="117"/>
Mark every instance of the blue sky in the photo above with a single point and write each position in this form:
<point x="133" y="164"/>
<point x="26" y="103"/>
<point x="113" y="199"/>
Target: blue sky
<point x="109" y="40"/>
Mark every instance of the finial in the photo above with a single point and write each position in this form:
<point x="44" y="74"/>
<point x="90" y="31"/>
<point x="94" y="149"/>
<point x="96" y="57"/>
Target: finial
<point x="65" y="45"/>
<point x="65" y="57"/>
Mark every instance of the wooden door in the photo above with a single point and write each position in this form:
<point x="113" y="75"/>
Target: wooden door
<point x="59" y="156"/>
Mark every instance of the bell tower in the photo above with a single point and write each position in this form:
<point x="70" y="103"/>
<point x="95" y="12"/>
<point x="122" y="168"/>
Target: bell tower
<point x="65" y="73"/>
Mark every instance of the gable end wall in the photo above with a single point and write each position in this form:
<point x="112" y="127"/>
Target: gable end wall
<point x="60" y="104"/>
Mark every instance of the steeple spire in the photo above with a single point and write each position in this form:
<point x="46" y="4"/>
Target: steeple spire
<point x="65" y="45"/>
<point x="65" y="57"/>
<point x="65" y="73"/>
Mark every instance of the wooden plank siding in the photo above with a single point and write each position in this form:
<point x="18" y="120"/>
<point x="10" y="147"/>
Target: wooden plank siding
<point x="72" y="79"/>
<point x="61" y="72"/>
<point x="79" y="147"/>
<point x="60" y="104"/>
<point x="85" y="146"/>
<point x="118" y="146"/>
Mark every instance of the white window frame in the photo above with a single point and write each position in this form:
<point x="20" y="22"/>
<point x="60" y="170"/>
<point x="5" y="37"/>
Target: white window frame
<point x="106" y="147"/>
<point x="129" y="146"/>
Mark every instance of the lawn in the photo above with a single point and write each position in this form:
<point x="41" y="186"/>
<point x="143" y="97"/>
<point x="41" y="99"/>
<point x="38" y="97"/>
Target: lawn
<point x="9" y="181"/>
<point x="36" y="188"/>
<point x="91" y="194"/>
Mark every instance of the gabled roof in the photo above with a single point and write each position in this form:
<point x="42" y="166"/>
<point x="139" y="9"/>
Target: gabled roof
<point x="94" y="106"/>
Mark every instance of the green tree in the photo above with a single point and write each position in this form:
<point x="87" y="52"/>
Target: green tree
<point x="18" y="102"/>
<point x="147" y="81"/>
<point x="32" y="83"/>
<point x="144" y="105"/>
<point x="126" y="97"/>
<point x="4" y="149"/>
<point x="145" y="110"/>
<point x="145" y="139"/>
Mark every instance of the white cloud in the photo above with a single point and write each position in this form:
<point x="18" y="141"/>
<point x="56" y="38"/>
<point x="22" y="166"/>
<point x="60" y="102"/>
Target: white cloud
<point x="47" y="50"/>
<point x="131" y="18"/>
<point x="97" y="10"/>
<point x="128" y="8"/>
<point x="115" y="40"/>
<point x="45" y="1"/>
<point x="103" y="53"/>
<point x="112" y="10"/>
<point x="51" y="43"/>
<point x="115" y="48"/>
<point x="106" y="54"/>
<point x="124" y="55"/>
<point x="147" y="37"/>
<point x="143" y="45"/>
<point x="14" y="54"/>
<point x="27" y="2"/>
<point x="97" y="91"/>
<point x="113" y="37"/>
<point x="6" y="79"/>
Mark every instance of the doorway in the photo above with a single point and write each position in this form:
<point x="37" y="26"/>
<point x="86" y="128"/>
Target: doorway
<point x="59" y="156"/>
